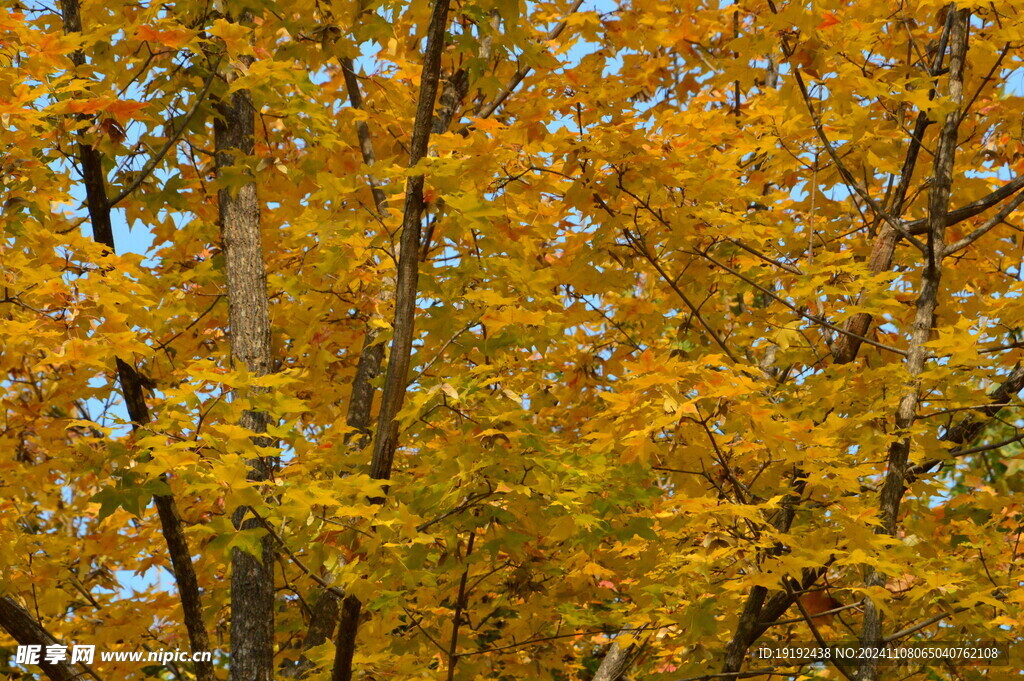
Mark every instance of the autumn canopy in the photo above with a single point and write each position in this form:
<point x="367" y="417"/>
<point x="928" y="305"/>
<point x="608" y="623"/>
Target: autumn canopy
<point x="510" y="339"/>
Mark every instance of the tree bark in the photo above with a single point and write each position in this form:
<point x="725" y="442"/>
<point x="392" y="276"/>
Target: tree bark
<point x="927" y="301"/>
<point x="252" y="577"/>
<point x="759" y="611"/>
<point x="970" y="427"/>
<point x="324" y="616"/>
<point x="24" y="629"/>
<point x="617" y="659"/>
<point x="325" y="611"/>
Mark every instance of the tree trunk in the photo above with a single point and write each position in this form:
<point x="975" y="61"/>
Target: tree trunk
<point x="924" y="319"/>
<point x="171" y="526"/>
<point x="252" y="577"/>
<point x="405" y="310"/>
<point x="846" y="347"/>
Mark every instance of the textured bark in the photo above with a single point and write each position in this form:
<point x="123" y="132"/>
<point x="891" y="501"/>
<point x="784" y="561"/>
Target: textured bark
<point x="614" y="664"/>
<point x="360" y="408"/>
<point x="24" y="629"/>
<point x="927" y="301"/>
<point x="133" y="392"/>
<point x="617" y="659"/>
<point x="760" y="613"/>
<point x="408" y="264"/>
<point x="846" y="346"/>
<point x="345" y="643"/>
<point x="746" y="630"/>
<point x="360" y="404"/>
<point x="405" y="309"/>
<point x="386" y="439"/>
<point x="323" y="618"/>
<point x="454" y="91"/>
<point x="89" y="158"/>
<point x="971" y="209"/>
<point x="455" y="88"/>
<point x="355" y="99"/>
<point x="252" y="577"/>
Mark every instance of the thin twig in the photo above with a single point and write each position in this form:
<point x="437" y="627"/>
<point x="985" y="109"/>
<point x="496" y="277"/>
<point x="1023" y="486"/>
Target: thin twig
<point x="832" y="611"/>
<point x="543" y="639"/>
<point x="171" y="141"/>
<point x="295" y="559"/>
<point x="921" y="625"/>
<point x="814" y="628"/>
<point x="810" y="317"/>
<point x="739" y="675"/>
<point x="416" y="623"/>
<point x="520" y="74"/>
<point x="926" y="466"/>
<point x="460" y="604"/>
<point x="426" y="367"/>
<point x="642" y="250"/>
<point x="847" y="176"/>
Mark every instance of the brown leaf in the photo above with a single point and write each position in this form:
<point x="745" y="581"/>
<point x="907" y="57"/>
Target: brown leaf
<point x="817" y="602"/>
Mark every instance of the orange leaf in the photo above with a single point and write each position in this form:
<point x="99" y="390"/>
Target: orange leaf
<point x="124" y="109"/>
<point x="173" y="37"/>
<point x="828" y="21"/>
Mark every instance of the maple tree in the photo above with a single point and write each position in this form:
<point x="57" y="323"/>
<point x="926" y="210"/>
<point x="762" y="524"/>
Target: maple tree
<point x="499" y="340"/>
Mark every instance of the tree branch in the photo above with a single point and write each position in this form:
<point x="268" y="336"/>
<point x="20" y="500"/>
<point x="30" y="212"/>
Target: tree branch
<point x="814" y="629"/>
<point x="847" y="176"/>
<point x="988" y="225"/>
<point x="24" y="629"/>
<point x="252" y="576"/>
<point x="846" y="347"/>
<point x="355" y="98"/>
<point x="762" y="256"/>
<point x="810" y="317"/>
<point x="171" y="141"/>
<point x="813" y="318"/>
<point x="970" y="427"/>
<point x="764" y="671"/>
<point x="520" y="74"/>
<point x="371" y="356"/>
<point x="971" y="209"/>
<point x="967" y="429"/>
<point x="133" y="392"/>
<point x="641" y="249"/>
<point x="295" y="559"/>
<point x="913" y="629"/>
<point x="395" y="381"/>
<point x="618" y="657"/>
<point x="460" y="604"/>
<point x="893" y="486"/>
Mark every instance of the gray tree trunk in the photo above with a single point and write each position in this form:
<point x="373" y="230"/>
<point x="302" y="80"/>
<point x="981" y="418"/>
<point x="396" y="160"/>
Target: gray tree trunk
<point x="252" y="577"/>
